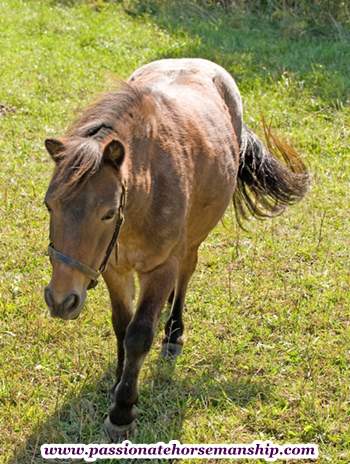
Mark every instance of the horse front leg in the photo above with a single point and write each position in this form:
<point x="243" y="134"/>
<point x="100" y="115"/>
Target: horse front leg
<point x="155" y="287"/>
<point x="121" y="289"/>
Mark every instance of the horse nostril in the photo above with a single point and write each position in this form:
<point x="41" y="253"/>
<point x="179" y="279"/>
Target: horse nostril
<point x="48" y="297"/>
<point x="71" y="302"/>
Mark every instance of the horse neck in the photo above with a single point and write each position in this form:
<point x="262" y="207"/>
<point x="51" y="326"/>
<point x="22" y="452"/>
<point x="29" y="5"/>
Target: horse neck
<point x="138" y="179"/>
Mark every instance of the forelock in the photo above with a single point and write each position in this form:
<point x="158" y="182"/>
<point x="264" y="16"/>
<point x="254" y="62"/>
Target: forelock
<point x="80" y="160"/>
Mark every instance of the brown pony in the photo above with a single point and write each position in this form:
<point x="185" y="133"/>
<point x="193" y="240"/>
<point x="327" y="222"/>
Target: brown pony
<point x="140" y="180"/>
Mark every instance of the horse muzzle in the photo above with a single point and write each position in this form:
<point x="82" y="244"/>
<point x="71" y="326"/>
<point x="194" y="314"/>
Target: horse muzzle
<point x="65" y="307"/>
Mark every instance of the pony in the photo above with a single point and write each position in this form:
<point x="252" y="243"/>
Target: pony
<point x="140" y="179"/>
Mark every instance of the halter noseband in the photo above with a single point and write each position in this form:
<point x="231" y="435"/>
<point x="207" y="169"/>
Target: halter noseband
<point x="84" y="268"/>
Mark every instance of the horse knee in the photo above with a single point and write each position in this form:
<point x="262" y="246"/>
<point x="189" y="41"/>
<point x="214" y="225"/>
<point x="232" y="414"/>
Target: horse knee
<point x="138" y="340"/>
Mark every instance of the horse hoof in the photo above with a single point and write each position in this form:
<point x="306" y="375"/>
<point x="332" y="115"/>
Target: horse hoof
<point x="119" y="433"/>
<point x="171" y="350"/>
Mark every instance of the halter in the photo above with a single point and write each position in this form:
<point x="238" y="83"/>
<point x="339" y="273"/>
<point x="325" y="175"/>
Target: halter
<point x="84" y="268"/>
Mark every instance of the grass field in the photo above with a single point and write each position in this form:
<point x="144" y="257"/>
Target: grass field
<point x="268" y="313"/>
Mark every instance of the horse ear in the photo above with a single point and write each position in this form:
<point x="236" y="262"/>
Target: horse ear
<point x="114" y="152"/>
<point x="54" y="147"/>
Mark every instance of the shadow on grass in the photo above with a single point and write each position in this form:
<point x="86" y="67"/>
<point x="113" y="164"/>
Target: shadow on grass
<point x="258" y="53"/>
<point x="163" y="403"/>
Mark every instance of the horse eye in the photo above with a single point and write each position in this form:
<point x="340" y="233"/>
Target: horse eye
<point x="109" y="215"/>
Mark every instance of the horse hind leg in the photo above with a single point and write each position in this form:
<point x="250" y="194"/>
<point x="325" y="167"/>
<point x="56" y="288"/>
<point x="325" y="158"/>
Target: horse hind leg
<point x="174" y="328"/>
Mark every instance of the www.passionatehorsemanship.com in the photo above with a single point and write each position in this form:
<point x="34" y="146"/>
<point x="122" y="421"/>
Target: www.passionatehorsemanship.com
<point x="174" y="449"/>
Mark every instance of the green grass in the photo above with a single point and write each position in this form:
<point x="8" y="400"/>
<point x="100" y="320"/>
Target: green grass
<point x="268" y="312"/>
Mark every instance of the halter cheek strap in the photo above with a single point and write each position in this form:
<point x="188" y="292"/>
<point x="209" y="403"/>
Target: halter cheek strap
<point x="84" y="268"/>
<point x="71" y="262"/>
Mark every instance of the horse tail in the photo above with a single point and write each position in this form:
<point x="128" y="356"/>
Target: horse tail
<point x="265" y="185"/>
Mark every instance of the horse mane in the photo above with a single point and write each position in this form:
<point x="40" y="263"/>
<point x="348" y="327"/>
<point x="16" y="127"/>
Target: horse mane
<point x="83" y="142"/>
